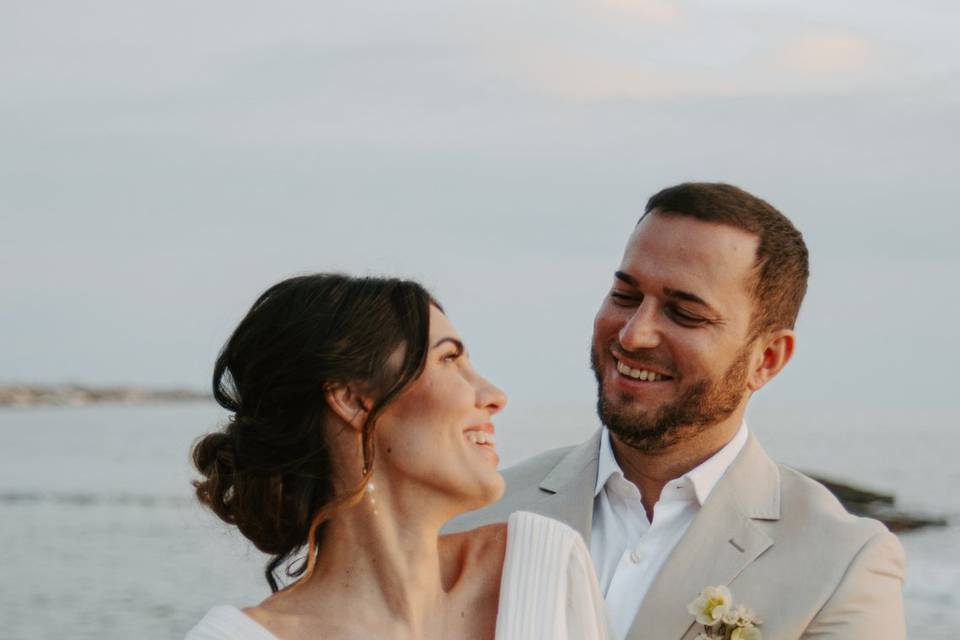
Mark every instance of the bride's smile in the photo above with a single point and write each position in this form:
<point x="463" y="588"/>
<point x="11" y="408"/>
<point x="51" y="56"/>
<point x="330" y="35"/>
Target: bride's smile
<point x="439" y="433"/>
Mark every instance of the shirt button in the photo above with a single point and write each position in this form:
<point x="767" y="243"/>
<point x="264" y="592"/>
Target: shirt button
<point x="636" y="556"/>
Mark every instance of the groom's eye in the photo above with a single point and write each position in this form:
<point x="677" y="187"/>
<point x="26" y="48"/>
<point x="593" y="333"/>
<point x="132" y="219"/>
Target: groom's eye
<point x="684" y="317"/>
<point x="623" y="298"/>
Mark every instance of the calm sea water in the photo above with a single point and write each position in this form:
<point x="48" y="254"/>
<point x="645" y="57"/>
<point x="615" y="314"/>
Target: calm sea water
<point x="101" y="538"/>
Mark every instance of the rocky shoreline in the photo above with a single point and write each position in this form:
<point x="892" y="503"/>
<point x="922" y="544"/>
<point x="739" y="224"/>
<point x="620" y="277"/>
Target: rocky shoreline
<point x="71" y="395"/>
<point x="861" y="501"/>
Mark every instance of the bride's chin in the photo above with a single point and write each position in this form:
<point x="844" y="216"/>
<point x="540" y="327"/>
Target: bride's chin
<point x="493" y="491"/>
<point x="485" y="493"/>
<point x="499" y="490"/>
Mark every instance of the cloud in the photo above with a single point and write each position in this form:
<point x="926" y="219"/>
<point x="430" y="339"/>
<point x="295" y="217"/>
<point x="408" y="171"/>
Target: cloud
<point x="586" y="78"/>
<point x="825" y="52"/>
<point x="583" y="78"/>
<point x="661" y="11"/>
<point x="809" y="63"/>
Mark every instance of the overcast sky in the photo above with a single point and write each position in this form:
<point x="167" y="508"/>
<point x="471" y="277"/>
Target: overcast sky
<point x="161" y="163"/>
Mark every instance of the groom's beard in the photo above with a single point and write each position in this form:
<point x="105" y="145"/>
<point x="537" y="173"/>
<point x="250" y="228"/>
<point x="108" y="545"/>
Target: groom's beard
<point x="704" y="403"/>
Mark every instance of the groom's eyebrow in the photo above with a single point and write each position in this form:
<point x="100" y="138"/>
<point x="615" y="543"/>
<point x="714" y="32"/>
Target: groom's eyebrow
<point x="685" y="295"/>
<point x="679" y="294"/>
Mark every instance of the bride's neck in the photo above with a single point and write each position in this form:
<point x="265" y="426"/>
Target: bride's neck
<point x="385" y="551"/>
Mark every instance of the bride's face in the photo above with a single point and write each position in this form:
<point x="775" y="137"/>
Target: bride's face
<point x="438" y="434"/>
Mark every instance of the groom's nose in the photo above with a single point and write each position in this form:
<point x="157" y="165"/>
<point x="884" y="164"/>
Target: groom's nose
<point x="641" y="330"/>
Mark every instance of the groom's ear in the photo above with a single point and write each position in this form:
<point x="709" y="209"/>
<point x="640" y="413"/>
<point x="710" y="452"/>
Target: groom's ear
<point x="346" y="401"/>
<point x="775" y="351"/>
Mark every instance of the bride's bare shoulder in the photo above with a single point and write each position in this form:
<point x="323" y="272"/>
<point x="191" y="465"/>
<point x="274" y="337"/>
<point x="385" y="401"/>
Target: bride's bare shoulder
<point x="262" y="615"/>
<point x="274" y="615"/>
<point x="477" y="551"/>
<point x="480" y="540"/>
<point x="285" y="615"/>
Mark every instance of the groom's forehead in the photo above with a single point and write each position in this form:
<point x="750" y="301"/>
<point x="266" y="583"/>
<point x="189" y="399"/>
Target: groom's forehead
<point x="679" y="252"/>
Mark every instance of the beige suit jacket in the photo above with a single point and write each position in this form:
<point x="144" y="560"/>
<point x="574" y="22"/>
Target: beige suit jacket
<point x="781" y="542"/>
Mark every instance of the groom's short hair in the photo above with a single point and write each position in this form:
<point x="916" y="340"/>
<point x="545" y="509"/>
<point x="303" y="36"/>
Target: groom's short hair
<point x="782" y="262"/>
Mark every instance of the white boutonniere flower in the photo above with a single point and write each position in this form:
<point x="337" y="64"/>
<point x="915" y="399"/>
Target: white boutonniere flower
<point x="711" y="605"/>
<point x="714" y="609"/>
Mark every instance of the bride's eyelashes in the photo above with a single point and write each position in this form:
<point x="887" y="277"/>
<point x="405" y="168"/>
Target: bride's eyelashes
<point x="454" y="350"/>
<point x="452" y="356"/>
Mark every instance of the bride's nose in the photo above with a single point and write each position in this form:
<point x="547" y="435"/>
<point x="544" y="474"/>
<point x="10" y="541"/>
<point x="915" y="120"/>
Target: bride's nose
<point x="489" y="396"/>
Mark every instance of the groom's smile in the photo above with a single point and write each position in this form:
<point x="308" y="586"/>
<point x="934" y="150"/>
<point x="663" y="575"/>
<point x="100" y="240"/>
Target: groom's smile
<point x="642" y="368"/>
<point x="670" y="344"/>
<point x="644" y="374"/>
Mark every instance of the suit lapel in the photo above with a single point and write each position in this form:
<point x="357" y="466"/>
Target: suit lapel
<point x="721" y="541"/>
<point x="568" y="489"/>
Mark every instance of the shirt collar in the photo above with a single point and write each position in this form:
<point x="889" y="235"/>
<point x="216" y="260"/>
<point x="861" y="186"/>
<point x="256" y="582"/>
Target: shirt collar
<point x="703" y="477"/>
<point x="607" y="466"/>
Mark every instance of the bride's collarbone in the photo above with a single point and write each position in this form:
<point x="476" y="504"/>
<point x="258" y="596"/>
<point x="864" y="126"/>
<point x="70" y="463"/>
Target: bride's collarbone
<point x="472" y="561"/>
<point x="460" y="620"/>
<point x="471" y="564"/>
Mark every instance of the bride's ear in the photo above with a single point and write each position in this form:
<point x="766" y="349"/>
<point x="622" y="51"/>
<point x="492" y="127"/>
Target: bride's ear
<point x="348" y="403"/>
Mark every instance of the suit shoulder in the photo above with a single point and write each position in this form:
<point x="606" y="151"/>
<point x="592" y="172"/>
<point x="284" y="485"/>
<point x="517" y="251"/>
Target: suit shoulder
<point x="534" y="469"/>
<point x="804" y="497"/>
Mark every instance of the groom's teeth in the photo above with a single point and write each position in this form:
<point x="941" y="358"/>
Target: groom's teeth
<point x="639" y="374"/>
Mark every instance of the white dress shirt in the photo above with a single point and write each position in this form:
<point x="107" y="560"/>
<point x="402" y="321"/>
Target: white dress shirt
<point x="627" y="549"/>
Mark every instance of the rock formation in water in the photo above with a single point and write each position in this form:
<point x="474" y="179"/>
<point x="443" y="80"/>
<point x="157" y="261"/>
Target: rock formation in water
<point x="23" y="395"/>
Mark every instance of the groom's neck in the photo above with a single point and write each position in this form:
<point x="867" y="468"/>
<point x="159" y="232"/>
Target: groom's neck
<point x="651" y="471"/>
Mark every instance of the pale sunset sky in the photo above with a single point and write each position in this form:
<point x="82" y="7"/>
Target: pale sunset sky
<point x="163" y="163"/>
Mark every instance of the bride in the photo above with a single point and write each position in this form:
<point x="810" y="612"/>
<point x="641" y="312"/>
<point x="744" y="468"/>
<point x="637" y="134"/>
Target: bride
<point x="359" y="428"/>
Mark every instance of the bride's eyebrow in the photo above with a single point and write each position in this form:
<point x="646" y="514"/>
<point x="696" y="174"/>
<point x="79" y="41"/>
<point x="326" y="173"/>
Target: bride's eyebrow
<point x="457" y="343"/>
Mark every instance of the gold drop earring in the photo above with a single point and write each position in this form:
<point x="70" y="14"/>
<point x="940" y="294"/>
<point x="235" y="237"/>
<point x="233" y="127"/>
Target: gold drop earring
<point x="369" y="490"/>
<point x="371" y="498"/>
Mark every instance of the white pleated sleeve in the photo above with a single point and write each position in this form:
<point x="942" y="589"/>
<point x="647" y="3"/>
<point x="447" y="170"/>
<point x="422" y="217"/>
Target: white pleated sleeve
<point x="549" y="588"/>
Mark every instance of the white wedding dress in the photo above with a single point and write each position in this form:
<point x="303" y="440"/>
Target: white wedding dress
<point x="548" y="591"/>
<point x="549" y="588"/>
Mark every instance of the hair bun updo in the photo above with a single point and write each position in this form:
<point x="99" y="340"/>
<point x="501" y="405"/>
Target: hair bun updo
<point x="269" y="470"/>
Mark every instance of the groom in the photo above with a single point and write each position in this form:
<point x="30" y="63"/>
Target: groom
<point x="674" y="493"/>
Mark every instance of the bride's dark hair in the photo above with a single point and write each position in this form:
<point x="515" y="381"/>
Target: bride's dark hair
<point x="269" y="470"/>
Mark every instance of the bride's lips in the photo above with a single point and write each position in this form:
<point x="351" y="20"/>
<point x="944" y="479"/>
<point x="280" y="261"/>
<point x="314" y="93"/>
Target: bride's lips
<point x="481" y="436"/>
